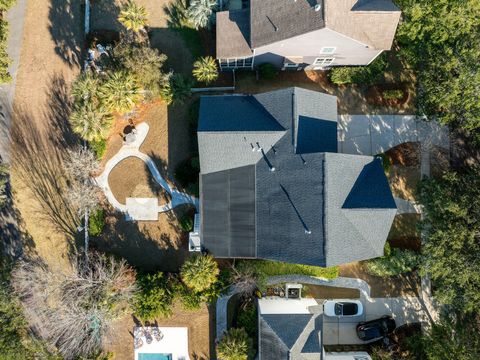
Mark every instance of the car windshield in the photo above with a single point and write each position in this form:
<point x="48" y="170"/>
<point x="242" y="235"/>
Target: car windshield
<point x="350" y="308"/>
<point x="338" y="309"/>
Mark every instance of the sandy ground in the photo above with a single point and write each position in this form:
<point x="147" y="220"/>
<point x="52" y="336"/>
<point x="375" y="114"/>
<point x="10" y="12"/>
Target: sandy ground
<point x="198" y="324"/>
<point x="52" y="43"/>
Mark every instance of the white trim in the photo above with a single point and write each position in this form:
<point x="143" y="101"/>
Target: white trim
<point x="376" y="56"/>
<point x="323" y="52"/>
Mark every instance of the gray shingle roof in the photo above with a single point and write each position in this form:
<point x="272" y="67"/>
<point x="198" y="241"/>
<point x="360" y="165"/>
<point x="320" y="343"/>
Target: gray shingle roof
<point x="290" y="336"/>
<point x="310" y="206"/>
<point x="276" y="20"/>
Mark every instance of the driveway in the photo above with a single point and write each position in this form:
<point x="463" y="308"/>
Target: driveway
<point x="375" y="134"/>
<point x="342" y="331"/>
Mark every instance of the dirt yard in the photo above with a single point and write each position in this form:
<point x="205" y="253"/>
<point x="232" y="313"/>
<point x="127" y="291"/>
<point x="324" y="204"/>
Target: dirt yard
<point x="50" y="57"/>
<point x="200" y="325"/>
<point x="406" y="285"/>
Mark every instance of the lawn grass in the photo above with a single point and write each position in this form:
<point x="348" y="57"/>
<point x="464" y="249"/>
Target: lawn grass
<point x="273" y="268"/>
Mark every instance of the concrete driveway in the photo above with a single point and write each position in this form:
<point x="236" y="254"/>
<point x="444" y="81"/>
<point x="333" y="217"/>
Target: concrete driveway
<point x="375" y="134"/>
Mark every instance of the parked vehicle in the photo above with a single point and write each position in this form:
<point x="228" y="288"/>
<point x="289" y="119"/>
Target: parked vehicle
<point x="342" y="308"/>
<point x="376" y="329"/>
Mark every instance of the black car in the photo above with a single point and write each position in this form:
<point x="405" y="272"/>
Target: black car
<point x="375" y="329"/>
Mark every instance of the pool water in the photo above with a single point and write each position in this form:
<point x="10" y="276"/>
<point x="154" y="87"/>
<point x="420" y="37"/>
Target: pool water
<point x="154" y="356"/>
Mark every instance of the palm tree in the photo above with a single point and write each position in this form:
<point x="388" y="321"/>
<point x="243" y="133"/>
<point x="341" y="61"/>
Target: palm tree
<point x="90" y="122"/>
<point x="120" y="92"/>
<point x="85" y="89"/>
<point x="205" y="69"/>
<point x="133" y="16"/>
<point x="200" y="11"/>
<point x="234" y="345"/>
<point x="199" y="272"/>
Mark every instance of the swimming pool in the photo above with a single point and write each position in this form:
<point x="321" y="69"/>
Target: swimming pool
<point x="154" y="356"/>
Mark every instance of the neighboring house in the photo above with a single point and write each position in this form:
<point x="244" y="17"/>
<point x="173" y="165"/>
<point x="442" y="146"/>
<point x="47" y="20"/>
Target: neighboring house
<point x="272" y="185"/>
<point x="305" y="34"/>
<point x="291" y="329"/>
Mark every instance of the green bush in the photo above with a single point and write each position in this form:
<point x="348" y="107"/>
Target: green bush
<point x="155" y="296"/>
<point x="235" y="345"/>
<point x="4" y="58"/>
<point x="187" y="173"/>
<point x="394" y="262"/>
<point x="199" y="272"/>
<point x="366" y="75"/>
<point x="395" y="94"/>
<point x="96" y="222"/>
<point x="191" y="300"/>
<point x="273" y="268"/>
<point x="99" y="147"/>
<point x="186" y="222"/>
<point x="6" y="4"/>
<point x="247" y="319"/>
<point x="386" y="162"/>
<point x="268" y="71"/>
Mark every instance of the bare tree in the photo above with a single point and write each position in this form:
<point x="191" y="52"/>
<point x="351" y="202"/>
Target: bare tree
<point x="246" y="281"/>
<point x="81" y="163"/>
<point x="74" y="310"/>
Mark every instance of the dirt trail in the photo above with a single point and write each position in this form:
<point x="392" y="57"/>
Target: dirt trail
<point x="49" y="61"/>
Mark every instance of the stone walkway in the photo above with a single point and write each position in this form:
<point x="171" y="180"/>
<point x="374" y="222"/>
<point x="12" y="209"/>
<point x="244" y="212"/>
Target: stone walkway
<point x="133" y="150"/>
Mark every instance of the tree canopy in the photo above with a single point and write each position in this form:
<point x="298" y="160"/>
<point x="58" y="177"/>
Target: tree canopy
<point x="450" y="253"/>
<point x="199" y="272"/>
<point x="440" y="38"/>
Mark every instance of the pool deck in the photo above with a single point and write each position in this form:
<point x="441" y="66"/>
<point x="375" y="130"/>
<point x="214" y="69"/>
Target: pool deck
<point x="174" y="342"/>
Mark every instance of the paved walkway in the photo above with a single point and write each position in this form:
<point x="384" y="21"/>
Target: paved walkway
<point x="375" y="134"/>
<point x="15" y="17"/>
<point x="133" y="150"/>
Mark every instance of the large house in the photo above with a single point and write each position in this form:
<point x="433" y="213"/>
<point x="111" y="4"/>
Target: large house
<point x="305" y="34"/>
<point x="272" y="185"/>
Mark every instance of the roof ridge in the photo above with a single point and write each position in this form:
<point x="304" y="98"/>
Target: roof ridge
<point x="273" y="331"/>
<point x="367" y="239"/>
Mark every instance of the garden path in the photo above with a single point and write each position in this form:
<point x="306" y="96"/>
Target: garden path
<point x="133" y="209"/>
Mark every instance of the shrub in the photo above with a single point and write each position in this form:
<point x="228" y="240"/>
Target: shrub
<point x="247" y="319"/>
<point x="200" y="11"/>
<point x="155" y="296"/>
<point x="386" y="162"/>
<point x="191" y="300"/>
<point x="144" y="63"/>
<point x="205" y="69"/>
<point x="99" y="147"/>
<point x="96" y="222"/>
<point x="359" y="74"/>
<point x="273" y="268"/>
<point x="268" y="71"/>
<point x="199" y="272"/>
<point x="6" y="4"/>
<point x="395" y="94"/>
<point x="4" y="58"/>
<point x="133" y="16"/>
<point x="234" y="345"/>
<point x="186" y="222"/>
<point x="394" y="262"/>
<point x="187" y="173"/>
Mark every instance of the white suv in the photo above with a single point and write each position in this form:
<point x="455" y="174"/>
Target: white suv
<point x="342" y="308"/>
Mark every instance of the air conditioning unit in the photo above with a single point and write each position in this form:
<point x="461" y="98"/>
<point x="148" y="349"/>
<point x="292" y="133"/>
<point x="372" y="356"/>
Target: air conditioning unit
<point x="293" y="291"/>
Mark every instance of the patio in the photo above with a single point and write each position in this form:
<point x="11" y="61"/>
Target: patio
<point x="161" y="343"/>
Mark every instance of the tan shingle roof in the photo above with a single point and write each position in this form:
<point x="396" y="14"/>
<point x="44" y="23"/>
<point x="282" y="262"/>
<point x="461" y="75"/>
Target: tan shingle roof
<point x="233" y="30"/>
<point x="372" y="22"/>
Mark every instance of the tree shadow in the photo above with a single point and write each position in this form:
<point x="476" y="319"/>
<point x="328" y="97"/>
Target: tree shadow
<point x="143" y="244"/>
<point x="104" y="16"/>
<point x="37" y="154"/>
<point x="67" y="29"/>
